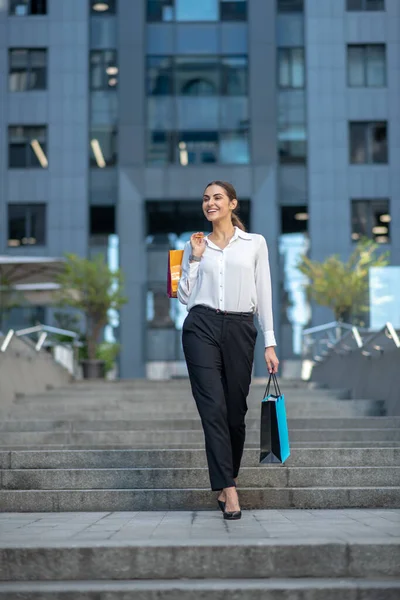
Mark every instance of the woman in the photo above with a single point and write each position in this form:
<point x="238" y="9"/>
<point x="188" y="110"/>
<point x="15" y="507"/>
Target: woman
<point x="225" y="281"/>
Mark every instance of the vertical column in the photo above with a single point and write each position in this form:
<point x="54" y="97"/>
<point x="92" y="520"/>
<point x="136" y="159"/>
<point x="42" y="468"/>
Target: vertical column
<point x="263" y="118"/>
<point x="67" y="127"/>
<point x="3" y="126"/>
<point x="130" y="210"/>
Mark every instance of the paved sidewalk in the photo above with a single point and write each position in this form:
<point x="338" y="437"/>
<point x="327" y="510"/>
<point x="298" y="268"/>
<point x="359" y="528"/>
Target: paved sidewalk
<point x="34" y="529"/>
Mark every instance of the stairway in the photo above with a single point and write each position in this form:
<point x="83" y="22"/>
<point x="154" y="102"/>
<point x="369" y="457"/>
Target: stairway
<point x="105" y="496"/>
<point x="139" y="446"/>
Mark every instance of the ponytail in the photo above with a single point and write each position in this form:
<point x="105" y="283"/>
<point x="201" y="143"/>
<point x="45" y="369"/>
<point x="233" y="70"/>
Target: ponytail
<point x="237" y="222"/>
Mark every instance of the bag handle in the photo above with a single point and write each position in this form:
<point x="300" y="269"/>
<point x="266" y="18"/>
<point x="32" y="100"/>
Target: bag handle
<point x="272" y="377"/>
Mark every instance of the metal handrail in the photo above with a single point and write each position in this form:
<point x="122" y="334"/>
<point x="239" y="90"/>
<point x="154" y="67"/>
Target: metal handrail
<point x="362" y="345"/>
<point x="44" y="330"/>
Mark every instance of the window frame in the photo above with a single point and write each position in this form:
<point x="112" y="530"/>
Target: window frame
<point x="29" y="11"/>
<point x="104" y="66"/>
<point x="364" y="7"/>
<point x="369" y="202"/>
<point x="28" y="69"/>
<point x="368" y="141"/>
<point x="220" y="12"/>
<point x="289" y="51"/>
<point x="366" y="48"/>
<point x="27" y="144"/>
<point x="284" y="7"/>
<point x="173" y="139"/>
<point x="28" y="207"/>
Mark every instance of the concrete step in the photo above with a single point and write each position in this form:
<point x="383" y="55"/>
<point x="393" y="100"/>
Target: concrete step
<point x="109" y="459"/>
<point x="16" y="425"/>
<point x="164" y="438"/>
<point x="209" y="589"/>
<point x="193" y="478"/>
<point x="191" y="559"/>
<point x="196" y="499"/>
<point x="191" y="446"/>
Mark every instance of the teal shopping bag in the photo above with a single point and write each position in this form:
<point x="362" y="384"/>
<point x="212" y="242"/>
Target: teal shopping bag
<point x="274" y="434"/>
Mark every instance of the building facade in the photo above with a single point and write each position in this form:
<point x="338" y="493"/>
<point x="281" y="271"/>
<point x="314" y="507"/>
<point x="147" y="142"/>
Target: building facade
<point x="116" y="114"/>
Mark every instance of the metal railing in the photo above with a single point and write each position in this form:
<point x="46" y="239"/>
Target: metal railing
<point x="319" y="342"/>
<point x="44" y="333"/>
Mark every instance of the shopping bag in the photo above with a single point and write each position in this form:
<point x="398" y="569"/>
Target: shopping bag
<point x="274" y="435"/>
<point x="174" y="272"/>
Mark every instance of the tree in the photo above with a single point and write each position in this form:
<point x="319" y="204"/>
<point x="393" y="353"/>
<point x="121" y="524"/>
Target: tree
<point x="91" y="287"/>
<point x="343" y="286"/>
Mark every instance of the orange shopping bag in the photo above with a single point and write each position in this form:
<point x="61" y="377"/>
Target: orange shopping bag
<point x="174" y="272"/>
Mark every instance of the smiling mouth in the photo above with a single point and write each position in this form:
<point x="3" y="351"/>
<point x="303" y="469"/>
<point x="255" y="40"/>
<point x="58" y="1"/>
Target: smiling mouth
<point x="213" y="210"/>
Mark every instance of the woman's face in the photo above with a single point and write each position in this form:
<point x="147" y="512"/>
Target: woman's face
<point x="216" y="204"/>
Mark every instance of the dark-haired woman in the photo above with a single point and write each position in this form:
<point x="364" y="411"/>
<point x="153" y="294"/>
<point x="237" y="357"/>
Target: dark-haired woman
<point x="225" y="282"/>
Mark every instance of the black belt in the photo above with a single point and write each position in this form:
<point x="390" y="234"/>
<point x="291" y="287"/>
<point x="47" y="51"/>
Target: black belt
<point x="217" y="311"/>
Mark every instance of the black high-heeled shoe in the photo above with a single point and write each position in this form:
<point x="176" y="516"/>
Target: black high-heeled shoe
<point x="221" y="504"/>
<point x="233" y="516"/>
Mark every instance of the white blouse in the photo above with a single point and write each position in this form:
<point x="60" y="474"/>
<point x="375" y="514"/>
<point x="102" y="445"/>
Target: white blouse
<point x="235" y="279"/>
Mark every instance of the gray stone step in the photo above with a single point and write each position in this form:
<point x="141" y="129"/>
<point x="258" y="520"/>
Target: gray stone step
<point x="193" y="478"/>
<point x="196" y="499"/>
<point x="188" y="424"/>
<point x="238" y="559"/>
<point x="97" y="459"/>
<point x="210" y="589"/>
<point x="163" y="438"/>
<point x="191" y="446"/>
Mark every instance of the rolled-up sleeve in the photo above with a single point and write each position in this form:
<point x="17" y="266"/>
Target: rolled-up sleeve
<point x="264" y="293"/>
<point x="188" y="277"/>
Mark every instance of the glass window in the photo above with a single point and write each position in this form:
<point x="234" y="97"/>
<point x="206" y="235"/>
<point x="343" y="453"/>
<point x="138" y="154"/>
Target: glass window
<point x="358" y="5"/>
<point x="106" y="7"/>
<point x="103" y="146"/>
<point x="197" y="147"/>
<point x="159" y="76"/>
<point x="160" y="10"/>
<point x="27" y="70"/>
<point x="233" y="10"/>
<point x="234" y="148"/>
<point x="291" y="67"/>
<point x="103" y="69"/>
<point x="197" y="76"/>
<point x="22" y="8"/>
<point x="368" y="142"/>
<point x="102" y="220"/>
<point x="371" y="218"/>
<point x="292" y="143"/>
<point x="188" y="10"/>
<point x="160" y="147"/>
<point x="26" y="224"/>
<point x="234" y="76"/>
<point x="104" y="107"/>
<point x="366" y="65"/>
<point x="290" y="5"/>
<point x="27" y="146"/>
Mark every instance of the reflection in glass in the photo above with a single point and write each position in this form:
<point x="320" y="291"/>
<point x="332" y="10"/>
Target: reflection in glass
<point x="104" y="107"/>
<point x="233" y="10"/>
<point x="26" y="224"/>
<point x="197" y="113"/>
<point x="234" y="147"/>
<point x="197" y="147"/>
<point x="197" y="76"/>
<point x="291" y="67"/>
<point x="160" y="10"/>
<point x="27" y="147"/>
<point x="234" y="76"/>
<point x="159" y="76"/>
<point x="188" y="10"/>
<point x="103" y="69"/>
<point x="292" y="143"/>
<point x="371" y="218"/>
<point x="368" y="142"/>
<point x="28" y="69"/>
<point x="366" y="65"/>
<point x="103" y="146"/>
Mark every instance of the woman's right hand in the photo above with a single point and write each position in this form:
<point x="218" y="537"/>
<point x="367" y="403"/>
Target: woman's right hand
<point x="198" y="243"/>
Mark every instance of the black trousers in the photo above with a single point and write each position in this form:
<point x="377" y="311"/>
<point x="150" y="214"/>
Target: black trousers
<point x="219" y="352"/>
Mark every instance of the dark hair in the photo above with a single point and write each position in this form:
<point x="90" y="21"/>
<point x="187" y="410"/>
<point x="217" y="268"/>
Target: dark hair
<point x="231" y="193"/>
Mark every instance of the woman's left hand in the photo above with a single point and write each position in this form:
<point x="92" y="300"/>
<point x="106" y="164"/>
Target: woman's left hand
<point x="271" y="359"/>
